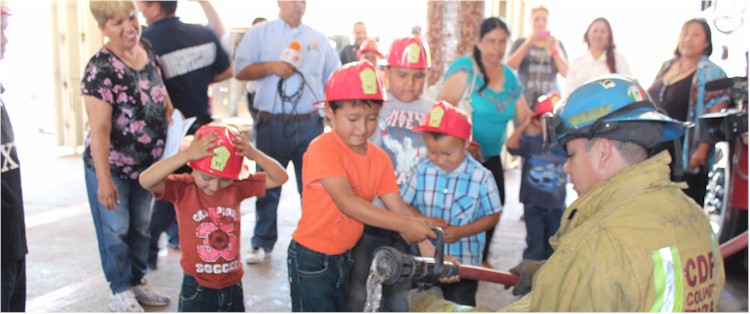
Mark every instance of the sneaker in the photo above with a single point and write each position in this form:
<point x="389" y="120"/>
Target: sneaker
<point x="124" y="302"/>
<point x="145" y="294"/>
<point x="255" y="256"/>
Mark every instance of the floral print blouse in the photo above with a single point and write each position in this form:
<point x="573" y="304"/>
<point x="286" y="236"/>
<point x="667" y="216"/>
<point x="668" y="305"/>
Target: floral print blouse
<point x="138" y="100"/>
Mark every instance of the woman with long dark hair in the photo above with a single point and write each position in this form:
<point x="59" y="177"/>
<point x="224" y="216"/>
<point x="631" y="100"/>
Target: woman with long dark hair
<point x="496" y="99"/>
<point x="680" y="90"/>
<point x="601" y="58"/>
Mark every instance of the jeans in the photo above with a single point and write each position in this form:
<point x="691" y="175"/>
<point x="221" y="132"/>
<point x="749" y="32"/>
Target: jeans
<point x="541" y="224"/>
<point x="495" y="165"/>
<point x="196" y="298"/>
<point x="284" y="141"/>
<point x="162" y="219"/>
<point x="395" y="296"/>
<point x="122" y="233"/>
<point x="317" y="282"/>
<point x="13" y="286"/>
<point x="463" y="292"/>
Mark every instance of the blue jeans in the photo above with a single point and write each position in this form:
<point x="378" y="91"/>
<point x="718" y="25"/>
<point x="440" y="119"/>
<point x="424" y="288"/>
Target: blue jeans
<point x="395" y="296"/>
<point x="162" y="220"/>
<point x="318" y="282"/>
<point x="196" y="298"/>
<point x="122" y="233"/>
<point x="285" y="141"/>
<point x="541" y="224"/>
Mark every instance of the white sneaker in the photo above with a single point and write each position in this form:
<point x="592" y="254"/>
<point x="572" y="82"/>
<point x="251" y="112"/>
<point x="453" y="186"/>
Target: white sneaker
<point x="124" y="302"/>
<point x="256" y="256"/>
<point x="145" y="294"/>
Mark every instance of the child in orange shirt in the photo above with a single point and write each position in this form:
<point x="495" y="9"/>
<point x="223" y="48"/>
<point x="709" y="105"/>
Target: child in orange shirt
<point x="207" y="204"/>
<point x="342" y="174"/>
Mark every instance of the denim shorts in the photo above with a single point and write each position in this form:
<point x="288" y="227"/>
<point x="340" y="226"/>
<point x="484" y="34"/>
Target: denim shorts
<point x="318" y="282"/>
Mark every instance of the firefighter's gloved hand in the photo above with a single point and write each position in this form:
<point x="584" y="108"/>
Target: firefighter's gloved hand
<point x="419" y="300"/>
<point x="525" y="270"/>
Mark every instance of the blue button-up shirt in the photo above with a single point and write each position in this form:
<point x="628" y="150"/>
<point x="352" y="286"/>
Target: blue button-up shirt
<point x="266" y="42"/>
<point x="461" y="197"/>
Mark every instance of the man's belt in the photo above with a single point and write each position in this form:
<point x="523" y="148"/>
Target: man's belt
<point x="265" y="115"/>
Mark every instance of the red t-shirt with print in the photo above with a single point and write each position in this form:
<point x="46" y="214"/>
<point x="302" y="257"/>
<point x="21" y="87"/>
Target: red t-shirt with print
<point x="209" y="227"/>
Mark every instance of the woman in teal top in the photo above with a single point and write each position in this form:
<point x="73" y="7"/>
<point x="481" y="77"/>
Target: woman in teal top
<point x="495" y="100"/>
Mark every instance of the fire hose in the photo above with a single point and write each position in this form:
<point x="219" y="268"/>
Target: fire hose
<point x="393" y="265"/>
<point x="734" y="245"/>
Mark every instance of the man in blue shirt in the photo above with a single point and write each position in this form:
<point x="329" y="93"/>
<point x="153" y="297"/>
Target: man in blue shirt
<point x="286" y="120"/>
<point x="191" y="58"/>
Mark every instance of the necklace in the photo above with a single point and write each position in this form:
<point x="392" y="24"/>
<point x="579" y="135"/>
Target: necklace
<point x="674" y="78"/>
<point x="680" y="71"/>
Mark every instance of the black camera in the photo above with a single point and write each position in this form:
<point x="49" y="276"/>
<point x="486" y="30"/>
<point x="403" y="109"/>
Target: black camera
<point x="727" y="124"/>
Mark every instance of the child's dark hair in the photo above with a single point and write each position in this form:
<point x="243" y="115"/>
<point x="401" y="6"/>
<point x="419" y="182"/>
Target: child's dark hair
<point x="435" y="135"/>
<point x="489" y="24"/>
<point x="335" y="105"/>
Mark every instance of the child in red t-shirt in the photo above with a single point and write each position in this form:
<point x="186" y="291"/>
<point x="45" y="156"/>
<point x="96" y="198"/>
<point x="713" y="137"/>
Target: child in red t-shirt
<point x="207" y="204"/>
<point x="342" y="173"/>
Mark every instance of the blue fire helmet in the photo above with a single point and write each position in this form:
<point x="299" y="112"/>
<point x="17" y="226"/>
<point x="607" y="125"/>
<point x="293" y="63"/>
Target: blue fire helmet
<point x="612" y="106"/>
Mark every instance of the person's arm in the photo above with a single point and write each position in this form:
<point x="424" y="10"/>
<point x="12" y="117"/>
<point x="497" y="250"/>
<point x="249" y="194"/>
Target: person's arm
<point x="411" y="228"/>
<point x="224" y="75"/>
<point x="260" y="70"/>
<point x="152" y="179"/>
<point x="523" y="113"/>
<point x="514" y="141"/>
<point x="169" y="108"/>
<point x="558" y="55"/>
<point x="516" y="56"/>
<point x="394" y="203"/>
<point x="455" y="233"/>
<point x="100" y="121"/>
<point x="454" y="87"/>
<point x="214" y="20"/>
<point x="700" y="155"/>
<point x="275" y="173"/>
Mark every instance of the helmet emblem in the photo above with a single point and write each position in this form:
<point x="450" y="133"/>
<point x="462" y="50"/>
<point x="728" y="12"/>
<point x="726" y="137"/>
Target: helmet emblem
<point x="369" y="81"/>
<point x="436" y="116"/>
<point x="219" y="160"/>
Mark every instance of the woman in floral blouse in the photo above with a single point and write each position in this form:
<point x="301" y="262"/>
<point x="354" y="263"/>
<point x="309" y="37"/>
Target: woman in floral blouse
<point x="127" y="106"/>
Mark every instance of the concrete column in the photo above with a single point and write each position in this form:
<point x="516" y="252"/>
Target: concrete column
<point x="452" y="32"/>
<point x="75" y="38"/>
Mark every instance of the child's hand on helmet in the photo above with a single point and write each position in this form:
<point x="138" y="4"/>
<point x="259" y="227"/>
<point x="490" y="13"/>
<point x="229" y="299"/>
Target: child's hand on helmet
<point x="244" y="147"/>
<point x="201" y="148"/>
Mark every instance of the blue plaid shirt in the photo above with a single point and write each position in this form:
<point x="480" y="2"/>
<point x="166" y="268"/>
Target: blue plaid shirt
<point x="461" y="197"/>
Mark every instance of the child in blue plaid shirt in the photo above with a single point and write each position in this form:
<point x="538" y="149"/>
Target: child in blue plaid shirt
<point x="453" y="186"/>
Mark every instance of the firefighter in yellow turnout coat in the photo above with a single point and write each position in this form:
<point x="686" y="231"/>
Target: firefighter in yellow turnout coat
<point x="632" y="241"/>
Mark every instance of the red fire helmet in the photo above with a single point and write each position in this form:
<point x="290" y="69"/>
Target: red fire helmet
<point x="447" y="119"/>
<point x="369" y="45"/>
<point x="546" y="103"/>
<point x="353" y="81"/>
<point x="408" y="52"/>
<point x="224" y="162"/>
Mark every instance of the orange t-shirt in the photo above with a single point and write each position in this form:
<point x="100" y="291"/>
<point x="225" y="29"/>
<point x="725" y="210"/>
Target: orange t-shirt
<point x="323" y="227"/>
